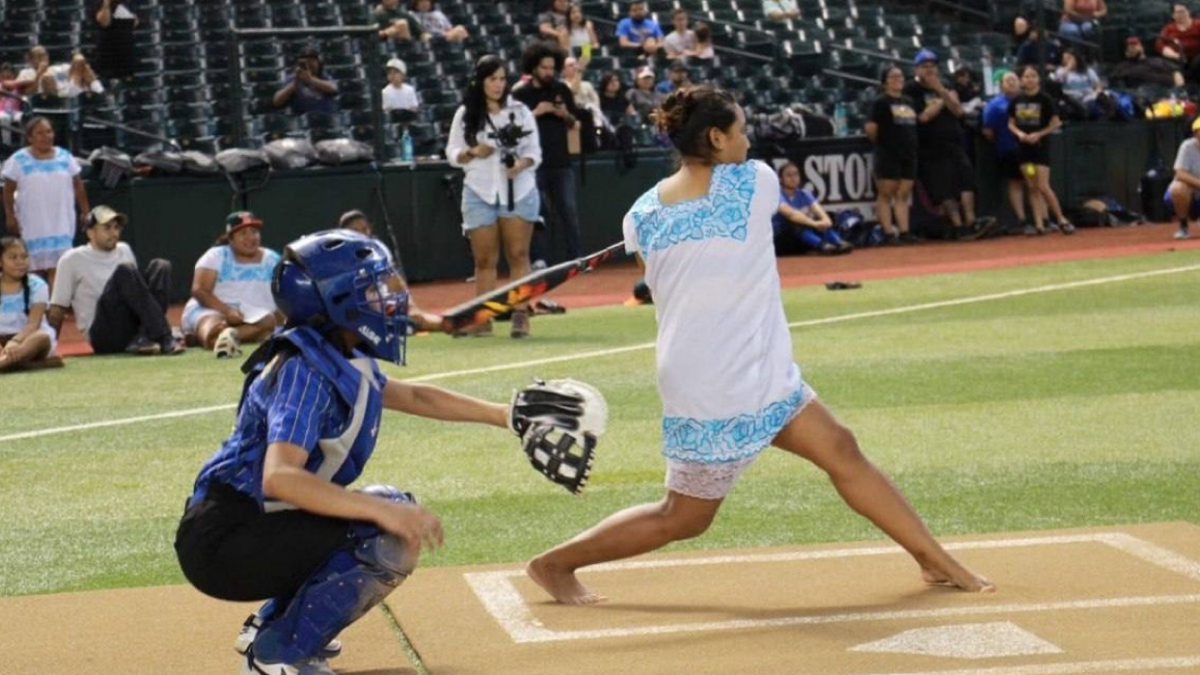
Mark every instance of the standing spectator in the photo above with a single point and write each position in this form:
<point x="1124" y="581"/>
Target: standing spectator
<point x="307" y="89"/>
<point x="614" y="102"/>
<point x="117" y="307"/>
<point x="801" y="223"/>
<point x="582" y="91"/>
<point x="231" y="299"/>
<point x="398" y="94"/>
<point x="115" y="58"/>
<point x="704" y="43"/>
<point x="41" y="184"/>
<point x="681" y="43"/>
<point x="780" y="10"/>
<point x="81" y="78"/>
<point x="26" y="338"/>
<point x="39" y="77"/>
<point x="1080" y="18"/>
<point x="1179" y="41"/>
<point x="581" y="35"/>
<point x="678" y="77"/>
<point x="892" y="128"/>
<point x="643" y="97"/>
<point x="490" y="222"/>
<point x="552" y="23"/>
<point x="436" y="24"/>
<point x="970" y="93"/>
<point x="944" y="170"/>
<point x="995" y="130"/>
<point x="639" y="31"/>
<point x="553" y="106"/>
<point x="1032" y="116"/>
<point x="396" y="24"/>
<point x="1030" y="53"/>
<point x="1136" y="69"/>
<point x="1183" y="195"/>
<point x="1080" y="83"/>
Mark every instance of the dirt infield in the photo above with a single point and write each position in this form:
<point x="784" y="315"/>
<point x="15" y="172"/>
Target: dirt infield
<point x="1078" y="601"/>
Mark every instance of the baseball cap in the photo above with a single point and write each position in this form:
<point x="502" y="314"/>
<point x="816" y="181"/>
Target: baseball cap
<point x="925" y="56"/>
<point x="397" y="64"/>
<point x="1133" y="40"/>
<point x="103" y="214"/>
<point x="239" y="220"/>
<point x="678" y="65"/>
<point x="1196" y="125"/>
<point x="645" y="72"/>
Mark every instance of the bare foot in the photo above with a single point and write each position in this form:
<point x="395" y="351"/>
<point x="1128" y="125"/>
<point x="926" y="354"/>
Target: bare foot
<point x="562" y="585"/>
<point x="963" y="579"/>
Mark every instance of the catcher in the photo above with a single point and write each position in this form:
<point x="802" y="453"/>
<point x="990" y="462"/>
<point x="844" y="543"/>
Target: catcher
<point x="271" y="518"/>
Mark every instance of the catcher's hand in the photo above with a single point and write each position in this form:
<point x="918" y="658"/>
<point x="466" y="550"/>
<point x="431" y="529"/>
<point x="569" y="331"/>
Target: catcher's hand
<point x="558" y="403"/>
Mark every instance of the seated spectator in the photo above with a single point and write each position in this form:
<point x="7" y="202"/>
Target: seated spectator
<point x="116" y="307"/>
<point x="1179" y="41"/>
<point x="398" y="94"/>
<point x="10" y="105"/>
<point x="704" y="43"/>
<point x="1183" y="195"/>
<point x="1080" y="83"/>
<point x="780" y="10"/>
<point x="1137" y="69"/>
<point x="643" y="96"/>
<point x="81" y="78"/>
<point x="231" y="299"/>
<point x="614" y="100"/>
<point x="681" y="43"/>
<point x="39" y="77"/>
<point x="396" y="24"/>
<point x="307" y="89"/>
<point x="115" y="57"/>
<point x="1080" y="18"/>
<point x="26" y="338"/>
<point x="1030" y="53"/>
<point x="678" y="77"/>
<point x="436" y="24"/>
<point x="581" y="35"/>
<point x="584" y="93"/>
<point x="552" y="23"/>
<point x="801" y="224"/>
<point x="639" y="31"/>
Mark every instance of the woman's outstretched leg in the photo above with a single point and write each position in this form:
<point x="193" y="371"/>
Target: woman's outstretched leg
<point x="635" y="530"/>
<point x="817" y="436"/>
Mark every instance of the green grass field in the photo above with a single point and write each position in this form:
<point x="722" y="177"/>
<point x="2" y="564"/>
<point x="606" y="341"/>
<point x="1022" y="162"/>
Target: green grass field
<point x="1071" y="407"/>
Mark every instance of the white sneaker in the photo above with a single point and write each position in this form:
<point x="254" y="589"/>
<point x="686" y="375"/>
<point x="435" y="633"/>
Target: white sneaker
<point x="228" y="345"/>
<point x="1182" y="232"/>
<point x="538" y="264"/>
<point x="313" y="666"/>
<point x="249" y="631"/>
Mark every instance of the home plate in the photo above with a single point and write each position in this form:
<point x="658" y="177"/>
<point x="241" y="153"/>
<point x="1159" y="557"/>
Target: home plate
<point x="966" y="641"/>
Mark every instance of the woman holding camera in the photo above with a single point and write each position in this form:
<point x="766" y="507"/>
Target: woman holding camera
<point x="494" y="140"/>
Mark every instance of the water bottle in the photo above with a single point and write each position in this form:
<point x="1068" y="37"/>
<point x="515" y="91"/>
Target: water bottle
<point x="839" y="120"/>
<point x="406" y="146"/>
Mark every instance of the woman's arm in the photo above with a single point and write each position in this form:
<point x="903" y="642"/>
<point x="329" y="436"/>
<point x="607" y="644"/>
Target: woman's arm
<point x="81" y="198"/>
<point x="872" y="130"/>
<point x="104" y="14"/>
<point x="823" y="221"/>
<point x="203" y="283"/>
<point x="36" y="312"/>
<point x="10" y="208"/>
<point x="592" y="34"/>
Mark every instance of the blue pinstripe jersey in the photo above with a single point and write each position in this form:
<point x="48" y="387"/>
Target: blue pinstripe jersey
<point x="316" y="399"/>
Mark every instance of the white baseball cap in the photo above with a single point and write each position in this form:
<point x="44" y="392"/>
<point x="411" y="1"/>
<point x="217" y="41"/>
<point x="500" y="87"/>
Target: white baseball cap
<point x="397" y="64"/>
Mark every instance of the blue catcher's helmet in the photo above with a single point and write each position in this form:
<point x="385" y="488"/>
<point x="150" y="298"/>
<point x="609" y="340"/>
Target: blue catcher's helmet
<point x="340" y="279"/>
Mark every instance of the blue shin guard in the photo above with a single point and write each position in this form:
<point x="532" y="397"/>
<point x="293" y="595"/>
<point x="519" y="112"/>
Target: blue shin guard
<point x="349" y="584"/>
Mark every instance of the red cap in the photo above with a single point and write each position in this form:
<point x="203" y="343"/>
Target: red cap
<point x="241" y="219"/>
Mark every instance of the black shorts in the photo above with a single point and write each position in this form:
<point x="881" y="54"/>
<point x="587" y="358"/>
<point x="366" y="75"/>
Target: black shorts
<point x="1010" y="167"/>
<point x="229" y="549"/>
<point x="1034" y="154"/>
<point x="946" y="176"/>
<point x="891" y="166"/>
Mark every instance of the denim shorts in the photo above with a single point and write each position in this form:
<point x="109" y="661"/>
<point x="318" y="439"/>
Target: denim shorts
<point x="478" y="213"/>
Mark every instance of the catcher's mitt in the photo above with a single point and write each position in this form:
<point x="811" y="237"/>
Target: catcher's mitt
<point x="560" y="423"/>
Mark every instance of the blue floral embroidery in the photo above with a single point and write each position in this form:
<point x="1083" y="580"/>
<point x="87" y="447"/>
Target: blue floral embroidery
<point x="724" y="212"/>
<point x="232" y="270"/>
<point x="60" y="163"/>
<point x="731" y="438"/>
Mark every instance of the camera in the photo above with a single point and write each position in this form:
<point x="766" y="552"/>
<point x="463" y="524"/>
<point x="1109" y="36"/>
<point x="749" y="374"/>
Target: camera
<point x="508" y="137"/>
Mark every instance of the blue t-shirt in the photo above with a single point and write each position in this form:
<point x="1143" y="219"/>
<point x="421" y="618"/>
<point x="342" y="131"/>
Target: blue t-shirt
<point x="995" y="117"/>
<point x="638" y="31"/>
<point x="801" y="200"/>
<point x="13" y="314"/>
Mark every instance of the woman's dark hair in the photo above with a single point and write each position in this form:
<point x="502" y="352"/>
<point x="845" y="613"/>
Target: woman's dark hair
<point x="883" y="74"/>
<point x="703" y="31"/>
<point x="474" y="100"/>
<point x="1081" y="64"/>
<point x="784" y="167"/>
<point x="1021" y="70"/>
<point x="582" y="18"/>
<point x="33" y="124"/>
<point x="690" y="113"/>
<point x="6" y="243"/>
<point x="606" y="78"/>
<point x="539" y="50"/>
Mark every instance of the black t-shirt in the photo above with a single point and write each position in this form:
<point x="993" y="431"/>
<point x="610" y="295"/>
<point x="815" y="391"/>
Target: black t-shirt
<point x="552" y="129"/>
<point x="939" y="136"/>
<point x="1032" y="113"/>
<point x="897" y="122"/>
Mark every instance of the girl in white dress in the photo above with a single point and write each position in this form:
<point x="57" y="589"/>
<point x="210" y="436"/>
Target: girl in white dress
<point x="728" y="383"/>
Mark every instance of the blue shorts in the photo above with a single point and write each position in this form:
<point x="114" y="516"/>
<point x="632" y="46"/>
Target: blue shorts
<point x="478" y="213"/>
<point x="1193" y="211"/>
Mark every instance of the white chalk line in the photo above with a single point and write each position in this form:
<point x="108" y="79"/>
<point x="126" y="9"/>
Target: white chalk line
<point x="1115" y="665"/>
<point x="505" y="604"/>
<point x="601" y="353"/>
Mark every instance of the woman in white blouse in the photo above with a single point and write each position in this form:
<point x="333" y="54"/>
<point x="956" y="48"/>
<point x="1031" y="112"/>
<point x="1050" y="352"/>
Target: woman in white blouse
<point x="500" y="200"/>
